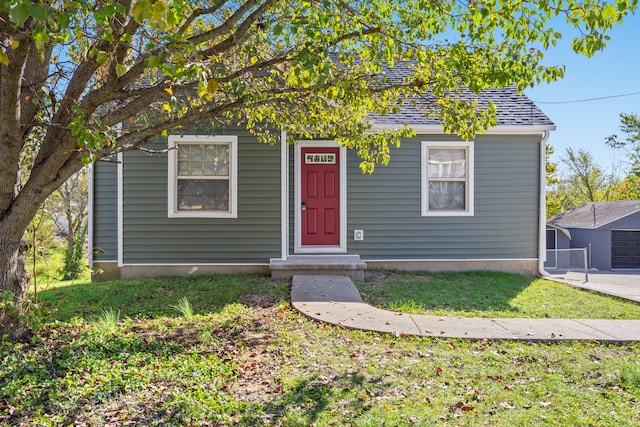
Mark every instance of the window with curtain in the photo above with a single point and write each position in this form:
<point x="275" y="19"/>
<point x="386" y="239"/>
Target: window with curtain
<point x="447" y="180"/>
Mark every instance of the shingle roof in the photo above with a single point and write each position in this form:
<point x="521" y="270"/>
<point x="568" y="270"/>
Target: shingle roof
<point x="513" y="109"/>
<point x="595" y="214"/>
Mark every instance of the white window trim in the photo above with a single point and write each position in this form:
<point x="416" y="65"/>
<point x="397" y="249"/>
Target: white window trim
<point x="469" y="187"/>
<point x="172" y="177"/>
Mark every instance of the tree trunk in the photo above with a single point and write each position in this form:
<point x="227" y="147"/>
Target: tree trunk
<point x="14" y="285"/>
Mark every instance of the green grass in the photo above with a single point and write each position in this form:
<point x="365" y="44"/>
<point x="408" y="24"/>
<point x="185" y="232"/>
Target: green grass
<point x="489" y="294"/>
<point x="247" y="359"/>
<point x="49" y="264"/>
<point x="108" y="319"/>
<point x="630" y="376"/>
<point x="156" y="297"/>
<point x="185" y="308"/>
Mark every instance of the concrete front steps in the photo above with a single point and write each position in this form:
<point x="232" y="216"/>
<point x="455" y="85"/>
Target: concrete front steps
<point x="318" y="265"/>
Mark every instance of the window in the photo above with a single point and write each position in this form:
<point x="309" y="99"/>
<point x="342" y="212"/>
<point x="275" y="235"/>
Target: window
<point x="203" y="176"/>
<point x="447" y="178"/>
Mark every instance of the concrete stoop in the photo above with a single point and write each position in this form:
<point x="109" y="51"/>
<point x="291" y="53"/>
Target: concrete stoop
<point x="318" y="265"/>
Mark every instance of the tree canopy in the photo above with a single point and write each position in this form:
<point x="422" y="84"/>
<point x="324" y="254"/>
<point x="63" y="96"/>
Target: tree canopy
<point x="630" y="126"/>
<point x="91" y="79"/>
<point x="587" y="181"/>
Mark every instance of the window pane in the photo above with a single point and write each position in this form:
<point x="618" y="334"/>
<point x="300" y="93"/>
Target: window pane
<point x="446" y="196"/>
<point x="216" y="160"/>
<point x="183" y="151"/>
<point x="222" y="160"/>
<point x="210" y="152"/>
<point x="447" y="163"/>
<point x="208" y="195"/>
<point x="184" y="167"/>
<point x="197" y="151"/>
<point x="189" y="194"/>
<point x="216" y="195"/>
<point x="197" y="168"/>
<point x="203" y="159"/>
<point x="218" y="166"/>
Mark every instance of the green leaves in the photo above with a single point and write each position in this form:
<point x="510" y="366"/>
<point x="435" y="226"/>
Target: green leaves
<point x="158" y="13"/>
<point x="141" y="10"/>
<point x="19" y="13"/>
<point x="153" y="61"/>
<point x="594" y="19"/>
<point x="90" y="135"/>
<point x="311" y="67"/>
<point x="609" y="11"/>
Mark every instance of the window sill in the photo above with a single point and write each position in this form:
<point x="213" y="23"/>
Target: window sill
<point x="202" y="215"/>
<point x="447" y="213"/>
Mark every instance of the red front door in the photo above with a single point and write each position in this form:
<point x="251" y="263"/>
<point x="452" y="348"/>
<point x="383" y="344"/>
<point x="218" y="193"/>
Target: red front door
<point x="320" y="196"/>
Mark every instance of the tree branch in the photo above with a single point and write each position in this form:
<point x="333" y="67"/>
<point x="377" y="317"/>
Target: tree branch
<point x="227" y="25"/>
<point x="10" y="131"/>
<point x="197" y="13"/>
<point x="238" y="34"/>
<point x="135" y="71"/>
<point x="139" y="99"/>
<point x="120" y="50"/>
<point x="36" y="73"/>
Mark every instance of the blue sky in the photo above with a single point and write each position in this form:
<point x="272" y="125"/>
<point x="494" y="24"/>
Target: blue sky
<point x="614" y="71"/>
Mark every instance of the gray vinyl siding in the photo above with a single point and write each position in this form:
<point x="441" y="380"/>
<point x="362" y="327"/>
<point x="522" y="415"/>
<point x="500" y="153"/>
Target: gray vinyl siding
<point x="630" y="222"/>
<point x="105" y="211"/>
<point x="387" y="205"/>
<point x="599" y="241"/>
<point x="150" y="237"/>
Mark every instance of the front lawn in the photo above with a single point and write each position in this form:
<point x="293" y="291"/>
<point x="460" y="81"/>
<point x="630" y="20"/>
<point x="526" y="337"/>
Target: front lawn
<point x="158" y="296"/>
<point x="488" y="294"/>
<point x="247" y="359"/>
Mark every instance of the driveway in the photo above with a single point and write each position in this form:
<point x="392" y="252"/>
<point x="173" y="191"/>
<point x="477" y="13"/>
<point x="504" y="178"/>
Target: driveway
<point x="623" y="284"/>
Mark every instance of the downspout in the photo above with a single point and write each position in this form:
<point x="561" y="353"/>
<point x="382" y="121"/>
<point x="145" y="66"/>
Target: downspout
<point x="90" y="180"/>
<point x="542" y="232"/>
<point x="284" y="195"/>
<point x="120" y="207"/>
<point x="119" y="200"/>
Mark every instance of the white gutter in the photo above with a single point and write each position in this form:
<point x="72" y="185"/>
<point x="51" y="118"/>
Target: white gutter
<point x="542" y="236"/>
<point x="496" y="130"/>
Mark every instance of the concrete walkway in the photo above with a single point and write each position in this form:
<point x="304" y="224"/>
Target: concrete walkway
<point x="624" y="284"/>
<point x="336" y="300"/>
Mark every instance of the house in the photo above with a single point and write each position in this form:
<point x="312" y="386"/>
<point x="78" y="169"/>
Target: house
<point x="610" y="230"/>
<point x="222" y="202"/>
